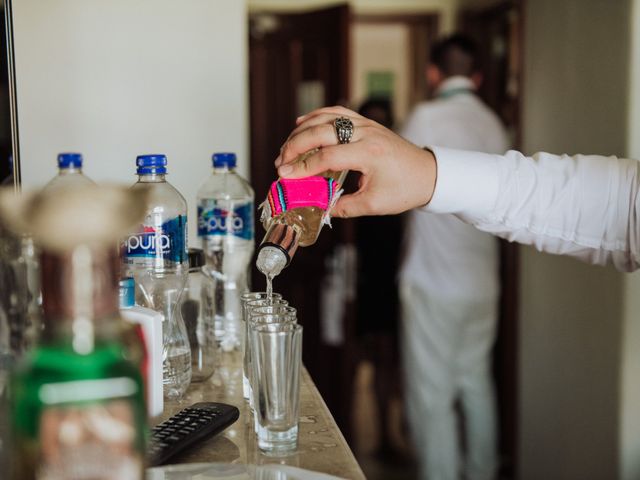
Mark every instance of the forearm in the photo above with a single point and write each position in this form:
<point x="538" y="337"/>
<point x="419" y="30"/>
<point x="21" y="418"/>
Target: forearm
<point x="584" y="206"/>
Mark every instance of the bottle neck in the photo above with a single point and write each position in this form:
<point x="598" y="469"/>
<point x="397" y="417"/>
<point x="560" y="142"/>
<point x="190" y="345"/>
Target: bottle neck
<point x="80" y="295"/>
<point x="152" y="178"/>
<point x="224" y="169"/>
<point x="70" y="171"/>
<point x="284" y="237"/>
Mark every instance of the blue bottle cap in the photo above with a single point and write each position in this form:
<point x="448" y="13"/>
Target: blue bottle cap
<point x="70" y="160"/>
<point x="224" y="159"/>
<point x="156" y="163"/>
<point x="127" y="292"/>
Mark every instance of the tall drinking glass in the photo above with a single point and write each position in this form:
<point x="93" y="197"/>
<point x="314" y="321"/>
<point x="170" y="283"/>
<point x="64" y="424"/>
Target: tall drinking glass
<point x="258" y="296"/>
<point x="280" y="313"/>
<point x="271" y="314"/>
<point x="261" y="299"/>
<point x="275" y="374"/>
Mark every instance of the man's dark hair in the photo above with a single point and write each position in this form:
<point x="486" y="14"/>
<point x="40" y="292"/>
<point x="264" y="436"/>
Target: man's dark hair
<point x="455" y="55"/>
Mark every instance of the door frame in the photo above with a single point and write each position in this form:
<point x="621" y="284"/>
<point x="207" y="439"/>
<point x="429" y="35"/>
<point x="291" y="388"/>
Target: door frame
<point x="507" y="348"/>
<point x="424" y="29"/>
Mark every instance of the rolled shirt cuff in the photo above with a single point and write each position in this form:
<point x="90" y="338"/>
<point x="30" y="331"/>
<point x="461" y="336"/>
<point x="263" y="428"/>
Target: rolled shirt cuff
<point x="466" y="183"/>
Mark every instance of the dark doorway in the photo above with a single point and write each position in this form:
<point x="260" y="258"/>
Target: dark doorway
<point x="299" y="62"/>
<point x="498" y="32"/>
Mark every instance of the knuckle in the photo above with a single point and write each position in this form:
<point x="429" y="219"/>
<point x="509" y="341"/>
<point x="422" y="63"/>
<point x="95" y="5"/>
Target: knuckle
<point x="376" y="147"/>
<point x="286" y="151"/>
<point x="317" y="130"/>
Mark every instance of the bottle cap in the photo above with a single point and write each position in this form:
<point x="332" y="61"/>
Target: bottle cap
<point x="127" y="292"/>
<point x="224" y="159"/>
<point x="156" y="163"/>
<point x="272" y="259"/>
<point x="69" y="160"/>
<point x="196" y="258"/>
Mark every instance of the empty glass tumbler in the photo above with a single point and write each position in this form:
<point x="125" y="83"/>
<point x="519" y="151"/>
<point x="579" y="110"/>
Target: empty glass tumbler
<point x="275" y="378"/>
<point x="250" y="311"/>
<point x="262" y="298"/>
<point x="266" y="314"/>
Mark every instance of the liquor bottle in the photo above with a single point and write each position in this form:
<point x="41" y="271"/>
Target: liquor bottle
<point x="77" y="402"/>
<point x="293" y="215"/>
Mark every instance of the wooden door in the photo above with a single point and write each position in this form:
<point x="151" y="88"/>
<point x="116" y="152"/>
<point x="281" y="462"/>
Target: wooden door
<point x="299" y="62"/>
<point x="498" y="32"/>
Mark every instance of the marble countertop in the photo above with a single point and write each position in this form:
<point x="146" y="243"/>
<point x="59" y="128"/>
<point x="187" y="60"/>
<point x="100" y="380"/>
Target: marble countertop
<point x="321" y="446"/>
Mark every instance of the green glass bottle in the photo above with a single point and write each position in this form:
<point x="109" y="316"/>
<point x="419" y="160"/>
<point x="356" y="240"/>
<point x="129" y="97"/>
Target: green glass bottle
<point x="77" y="407"/>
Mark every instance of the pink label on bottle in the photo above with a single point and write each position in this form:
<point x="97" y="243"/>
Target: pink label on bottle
<point x="287" y="193"/>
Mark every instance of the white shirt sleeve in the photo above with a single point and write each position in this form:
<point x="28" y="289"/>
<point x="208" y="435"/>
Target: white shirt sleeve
<point x="415" y="128"/>
<point x="585" y="205"/>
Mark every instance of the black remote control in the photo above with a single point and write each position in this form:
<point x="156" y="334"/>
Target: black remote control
<point x="194" y="423"/>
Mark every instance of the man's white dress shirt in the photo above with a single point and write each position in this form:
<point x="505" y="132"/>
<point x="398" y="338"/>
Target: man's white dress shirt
<point x="449" y="294"/>
<point x="444" y="255"/>
<point x="582" y="205"/>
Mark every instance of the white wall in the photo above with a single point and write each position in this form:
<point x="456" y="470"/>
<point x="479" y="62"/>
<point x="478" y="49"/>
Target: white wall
<point x="571" y="314"/>
<point x="119" y="78"/>
<point x="381" y="47"/>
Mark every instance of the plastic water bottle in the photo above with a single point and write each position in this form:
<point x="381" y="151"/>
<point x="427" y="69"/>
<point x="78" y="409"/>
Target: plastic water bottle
<point x="155" y="255"/>
<point x="69" y="172"/>
<point x="225" y="226"/>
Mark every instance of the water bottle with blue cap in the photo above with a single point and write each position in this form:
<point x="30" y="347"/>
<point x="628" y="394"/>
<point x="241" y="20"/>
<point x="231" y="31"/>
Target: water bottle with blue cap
<point x="69" y="172"/>
<point x="155" y="255"/>
<point x="225" y="227"/>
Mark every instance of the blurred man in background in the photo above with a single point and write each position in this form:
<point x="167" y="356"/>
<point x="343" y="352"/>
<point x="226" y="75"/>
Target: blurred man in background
<point x="450" y="286"/>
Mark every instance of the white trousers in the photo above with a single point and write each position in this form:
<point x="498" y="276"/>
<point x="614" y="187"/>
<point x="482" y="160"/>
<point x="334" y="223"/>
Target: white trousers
<point x="447" y="357"/>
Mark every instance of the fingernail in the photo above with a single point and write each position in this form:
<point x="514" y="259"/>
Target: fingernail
<point x="285" y="170"/>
